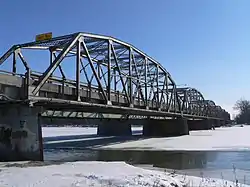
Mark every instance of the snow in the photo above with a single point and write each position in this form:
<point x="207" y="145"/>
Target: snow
<point x="67" y="131"/>
<point x="71" y="131"/>
<point x="242" y="176"/>
<point x="79" y="139"/>
<point x="226" y="138"/>
<point x="229" y="138"/>
<point x="122" y="174"/>
<point x="84" y="174"/>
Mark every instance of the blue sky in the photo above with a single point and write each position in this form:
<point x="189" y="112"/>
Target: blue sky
<point x="204" y="44"/>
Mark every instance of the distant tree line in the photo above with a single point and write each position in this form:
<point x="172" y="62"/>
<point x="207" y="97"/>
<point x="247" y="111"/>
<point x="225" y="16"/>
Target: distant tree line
<point x="243" y="108"/>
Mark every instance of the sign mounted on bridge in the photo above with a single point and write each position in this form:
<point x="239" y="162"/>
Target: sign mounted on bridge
<point x="45" y="36"/>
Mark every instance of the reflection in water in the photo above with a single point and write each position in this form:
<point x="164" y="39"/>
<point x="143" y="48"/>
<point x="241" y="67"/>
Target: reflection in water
<point x="172" y="160"/>
<point x="163" y="159"/>
<point x="211" y="163"/>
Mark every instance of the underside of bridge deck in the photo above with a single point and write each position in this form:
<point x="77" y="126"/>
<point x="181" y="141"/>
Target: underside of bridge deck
<point x="114" y="128"/>
<point x="165" y="128"/>
<point x="200" y="124"/>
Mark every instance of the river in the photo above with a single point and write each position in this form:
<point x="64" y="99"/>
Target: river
<point x="229" y="165"/>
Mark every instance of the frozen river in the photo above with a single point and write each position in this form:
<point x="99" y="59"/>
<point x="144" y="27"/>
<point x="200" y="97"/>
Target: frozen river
<point x="209" y="153"/>
<point x="230" y="139"/>
<point x="78" y="157"/>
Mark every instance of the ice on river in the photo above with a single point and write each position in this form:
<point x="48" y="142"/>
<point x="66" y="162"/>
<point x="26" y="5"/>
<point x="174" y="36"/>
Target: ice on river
<point x="85" y="174"/>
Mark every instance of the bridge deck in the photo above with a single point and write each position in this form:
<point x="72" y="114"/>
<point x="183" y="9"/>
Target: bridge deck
<point x="51" y="98"/>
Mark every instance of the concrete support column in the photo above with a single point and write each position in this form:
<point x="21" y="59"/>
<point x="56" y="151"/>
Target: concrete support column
<point x="222" y="123"/>
<point x="217" y="123"/>
<point x="199" y="124"/>
<point x="114" y="128"/>
<point x="20" y="133"/>
<point x="165" y="128"/>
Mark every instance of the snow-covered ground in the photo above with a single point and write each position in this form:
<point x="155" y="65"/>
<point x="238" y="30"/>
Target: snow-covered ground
<point x="230" y="138"/>
<point x="99" y="174"/>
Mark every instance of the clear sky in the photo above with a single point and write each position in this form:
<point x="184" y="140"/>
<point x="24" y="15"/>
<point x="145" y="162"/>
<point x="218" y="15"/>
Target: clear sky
<point x="204" y="44"/>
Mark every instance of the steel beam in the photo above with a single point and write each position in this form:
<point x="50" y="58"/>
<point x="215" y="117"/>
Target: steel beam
<point x="130" y="86"/>
<point x="14" y="62"/>
<point x="119" y="71"/>
<point x="54" y="65"/>
<point x="94" y="71"/>
<point x="78" y="57"/>
<point x="109" y="73"/>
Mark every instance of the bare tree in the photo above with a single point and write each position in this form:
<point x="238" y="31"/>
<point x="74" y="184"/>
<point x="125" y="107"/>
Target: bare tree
<point x="243" y="106"/>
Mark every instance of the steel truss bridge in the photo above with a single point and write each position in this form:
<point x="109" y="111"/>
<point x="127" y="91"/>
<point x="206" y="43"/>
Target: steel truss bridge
<point x="98" y="74"/>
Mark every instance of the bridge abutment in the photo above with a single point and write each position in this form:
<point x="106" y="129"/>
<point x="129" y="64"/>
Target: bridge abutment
<point x="165" y="128"/>
<point x="20" y="133"/>
<point x="199" y="124"/>
<point x="114" y="128"/>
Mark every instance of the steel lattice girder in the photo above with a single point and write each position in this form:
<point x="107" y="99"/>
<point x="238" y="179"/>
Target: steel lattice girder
<point x="191" y="101"/>
<point x="115" y="66"/>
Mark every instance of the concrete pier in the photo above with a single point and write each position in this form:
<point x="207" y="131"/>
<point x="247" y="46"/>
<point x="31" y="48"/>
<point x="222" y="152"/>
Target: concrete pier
<point x="165" y="128"/>
<point x="216" y="123"/>
<point x="20" y="133"/>
<point x="222" y="122"/>
<point x="199" y="124"/>
<point x="114" y="127"/>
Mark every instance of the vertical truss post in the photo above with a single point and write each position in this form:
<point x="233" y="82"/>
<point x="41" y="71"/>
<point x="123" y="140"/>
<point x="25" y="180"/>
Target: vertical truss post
<point x="14" y="63"/>
<point x="146" y="85"/>
<point x="130" y="86"/>
<point x="178" y="102"/>
<point x="184" y="108"/>
<point x="119" y="71"/>
<point x="162" y="91"/>
<point x="27" y="83"/>
<point x="115" y="79"/>
<point x="52" y="55"/>
<point x="207" y="113"/>
<point x="93" y="70"/>
<point x="98" y="70"/>
<point x="157" y="85"/>
<point x="78" y="69"/>
<point x="174" y="97"/>
<point x="109" y="73"/>
<point x="167" y="90"/>
<point x="170" y="101"/>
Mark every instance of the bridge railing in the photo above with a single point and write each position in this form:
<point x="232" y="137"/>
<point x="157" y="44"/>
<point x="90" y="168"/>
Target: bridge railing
<point x="193" y="109"/>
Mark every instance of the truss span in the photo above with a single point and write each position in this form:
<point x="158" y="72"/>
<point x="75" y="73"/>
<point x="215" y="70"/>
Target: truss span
<point x="107" y="71"/>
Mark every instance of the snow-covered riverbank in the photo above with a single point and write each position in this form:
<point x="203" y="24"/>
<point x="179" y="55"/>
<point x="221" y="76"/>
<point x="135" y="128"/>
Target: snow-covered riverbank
<point x="98" y="174"/>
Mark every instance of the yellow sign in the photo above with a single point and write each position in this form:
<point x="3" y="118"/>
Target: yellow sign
<point x="45" y="36"/>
